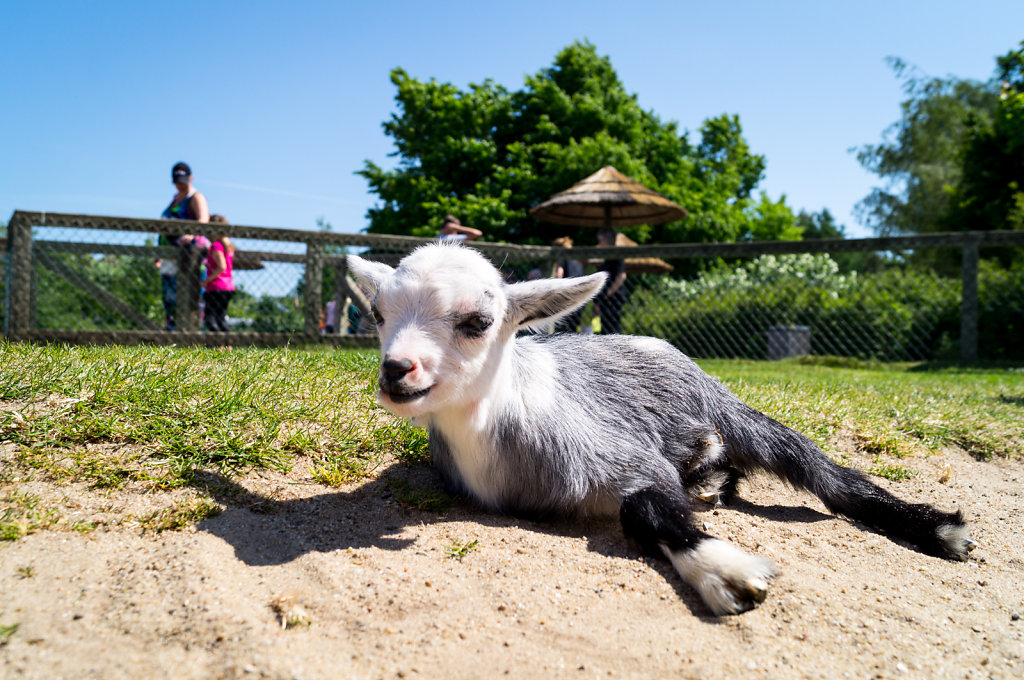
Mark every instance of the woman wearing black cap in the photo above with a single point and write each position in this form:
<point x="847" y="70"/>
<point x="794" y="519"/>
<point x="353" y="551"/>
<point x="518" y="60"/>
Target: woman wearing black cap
<point x="187" y="204"/>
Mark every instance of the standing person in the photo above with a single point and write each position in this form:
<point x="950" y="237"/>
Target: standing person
<point x="453" y="230"/>
<point x="187" y="204"/>
<point x="331" y="317"/>
<point x="220" y="279"/>
<point x="613" y="296"/>
<point x="567" y="269"/>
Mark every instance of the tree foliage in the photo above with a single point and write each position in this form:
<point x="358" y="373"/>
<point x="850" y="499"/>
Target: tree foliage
<point x="921" y="155"/>
<point x="955" y="159"/>
<point x="991" y="191"/>
<point x="487" y="154"/>
<point x="823" y="225"/>
<point x="820" y="225"/>
<point x="134" y="280"/>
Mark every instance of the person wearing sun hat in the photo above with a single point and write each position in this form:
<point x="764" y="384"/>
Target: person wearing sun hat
<point x="187" y="204"/>
<point x="453" y="230"/>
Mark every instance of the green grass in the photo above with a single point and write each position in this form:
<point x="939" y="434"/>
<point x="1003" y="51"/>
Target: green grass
<point x="180" y="515"/>
<point x="111" y="416"/>
<point x="22" y="514"/>
<point x="153" y="417"/>
<point x="418" y="497"/>
<point x="6" y="632"/>
<point x="892" y="472"/>
<point x="458" y="549"/>
<point x="339" y="470"/>
<point x="890" y="410"/>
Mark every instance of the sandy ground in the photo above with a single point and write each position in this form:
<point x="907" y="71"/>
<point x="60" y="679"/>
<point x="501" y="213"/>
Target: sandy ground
<point x="374" y="593"/>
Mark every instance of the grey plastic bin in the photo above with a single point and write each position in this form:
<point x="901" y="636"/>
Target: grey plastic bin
<point x="788" y="341"/>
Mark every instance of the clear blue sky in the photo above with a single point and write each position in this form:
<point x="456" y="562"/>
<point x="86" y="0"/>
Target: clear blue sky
<point x="275" y="105"/>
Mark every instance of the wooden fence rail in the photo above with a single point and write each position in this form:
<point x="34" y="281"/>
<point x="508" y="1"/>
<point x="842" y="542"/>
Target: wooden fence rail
<point x="321" y="250"/>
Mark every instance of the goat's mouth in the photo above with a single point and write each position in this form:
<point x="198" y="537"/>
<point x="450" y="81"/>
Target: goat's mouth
<point x="400" y="397"/>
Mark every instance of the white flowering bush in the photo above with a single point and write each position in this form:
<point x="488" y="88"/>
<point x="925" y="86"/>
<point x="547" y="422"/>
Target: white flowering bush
<point x="894" y="314"/>
<point x="818" y="270"/>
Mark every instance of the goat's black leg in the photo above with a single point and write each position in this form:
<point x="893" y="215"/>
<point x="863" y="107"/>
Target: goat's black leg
<point x="758" y="441"/>
<point x="729" y="580"/>
<point x="715" y="485"/>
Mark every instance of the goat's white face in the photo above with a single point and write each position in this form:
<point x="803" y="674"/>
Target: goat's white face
<point x="437" y="315"/>
<point x="444" y="317"/>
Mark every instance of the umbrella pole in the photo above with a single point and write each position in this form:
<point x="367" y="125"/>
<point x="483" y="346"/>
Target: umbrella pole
<point x="608" y="220"/>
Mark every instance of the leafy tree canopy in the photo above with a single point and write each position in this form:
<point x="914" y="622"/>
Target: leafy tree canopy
<point x="991" y="191"/>
<point x="922" y="157"/>
<point x="487" y="155"/>
<point x="824" y="225"/>
<point x="820" y="225"/>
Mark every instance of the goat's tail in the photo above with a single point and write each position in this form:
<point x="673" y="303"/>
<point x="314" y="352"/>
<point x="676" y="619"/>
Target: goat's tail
<point x="756" y="441"/>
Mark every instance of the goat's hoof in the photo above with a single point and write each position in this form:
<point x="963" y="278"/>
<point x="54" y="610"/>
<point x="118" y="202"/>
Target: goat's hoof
<point x="743" y="596"/>
<point x="755" y="589"/>
<point x="710" y="497"/>
<point x="955" y="541"/>
<point x="729" y="580"/>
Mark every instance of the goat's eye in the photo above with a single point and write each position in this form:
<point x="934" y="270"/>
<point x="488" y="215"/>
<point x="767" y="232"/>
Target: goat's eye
<point x="474" y="325"/>
<point x="377" y="318"/>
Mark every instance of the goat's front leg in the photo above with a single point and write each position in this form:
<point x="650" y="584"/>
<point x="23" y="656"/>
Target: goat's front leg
<point x="729" y="580"/>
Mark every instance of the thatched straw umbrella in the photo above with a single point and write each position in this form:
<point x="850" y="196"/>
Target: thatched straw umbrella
<point x="637" y="265"/>
<point x="642" y="265"/>
<point x="607" y="199"/>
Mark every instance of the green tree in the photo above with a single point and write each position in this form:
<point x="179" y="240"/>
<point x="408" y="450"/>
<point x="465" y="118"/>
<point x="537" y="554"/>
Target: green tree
<point x="921" y="155"/>
<point x="820" y="225"/>
<point x="133" y="280"/>
<point x="487" y="155"/>
<point x="991" y="192"/>
<point x="823" y="225"/>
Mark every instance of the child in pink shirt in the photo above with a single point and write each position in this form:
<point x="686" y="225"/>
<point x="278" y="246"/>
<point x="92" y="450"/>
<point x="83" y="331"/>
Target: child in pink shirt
<point x="220" y="281"/>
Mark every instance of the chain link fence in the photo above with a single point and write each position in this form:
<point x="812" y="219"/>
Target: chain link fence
<point x="81" y="278"/>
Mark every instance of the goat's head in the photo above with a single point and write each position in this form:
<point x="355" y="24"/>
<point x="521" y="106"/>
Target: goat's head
<point x="445" y="316"/>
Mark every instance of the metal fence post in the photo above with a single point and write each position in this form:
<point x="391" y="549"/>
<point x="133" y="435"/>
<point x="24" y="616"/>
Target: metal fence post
<point x="19" y="284"/>
<point x="969" y="301"/>
<point x="314" y="281"/>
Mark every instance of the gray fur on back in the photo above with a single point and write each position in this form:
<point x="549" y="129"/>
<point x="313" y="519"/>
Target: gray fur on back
<point x="628" y="413"/>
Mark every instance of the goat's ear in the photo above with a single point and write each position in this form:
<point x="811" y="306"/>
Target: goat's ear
<point x="534" y="304"/>
<point x="372" y="274"/>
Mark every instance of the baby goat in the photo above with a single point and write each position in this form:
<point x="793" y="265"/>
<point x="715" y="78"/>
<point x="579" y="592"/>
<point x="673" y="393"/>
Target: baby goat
<point x="545" y="425"/>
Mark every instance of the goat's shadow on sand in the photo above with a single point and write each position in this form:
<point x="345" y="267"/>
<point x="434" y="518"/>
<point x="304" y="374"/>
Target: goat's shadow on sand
<point x="779" y="513"/>
<point x="264" y="531"/>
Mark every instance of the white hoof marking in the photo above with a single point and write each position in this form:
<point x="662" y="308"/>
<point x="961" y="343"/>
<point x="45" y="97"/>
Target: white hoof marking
<point x="729" y="580"/>
<point x="956" y="539"/>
